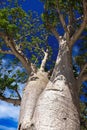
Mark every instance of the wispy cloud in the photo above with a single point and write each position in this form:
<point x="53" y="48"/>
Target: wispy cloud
<point x="8" y="111"/>
<point x="7" y="128"/>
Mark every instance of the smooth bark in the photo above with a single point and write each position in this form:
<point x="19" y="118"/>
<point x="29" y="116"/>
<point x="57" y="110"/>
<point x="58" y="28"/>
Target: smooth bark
<point x="32" y="90"/>
<point x="58" y="105"/>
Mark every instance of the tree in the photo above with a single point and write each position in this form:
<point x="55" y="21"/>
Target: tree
<point x="50" y="98"/>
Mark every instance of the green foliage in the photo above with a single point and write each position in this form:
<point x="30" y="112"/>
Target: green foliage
<point x="25" y="29"/>
<point x="10" y="19"/>
<point x="6" y="82"/>
<point x="80" y="60"/>
<point x="9" y="81"/>
<point x="51" y="13"/>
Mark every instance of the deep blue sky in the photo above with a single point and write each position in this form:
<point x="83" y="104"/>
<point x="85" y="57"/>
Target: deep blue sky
<point x="34" y="5"/>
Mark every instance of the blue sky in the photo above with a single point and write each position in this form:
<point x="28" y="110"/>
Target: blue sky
<point x="8" y="116"/>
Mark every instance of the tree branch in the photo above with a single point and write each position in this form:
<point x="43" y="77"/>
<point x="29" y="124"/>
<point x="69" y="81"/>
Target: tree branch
<point x="82" y="26"/>
<point x="61" y="17"/>
<point x="18" y="94"/>
<point x="71" y="15"/>
<point x="72" y="19"/>
<point x="10" y="43"/>
<point x="81" y="79"/>
<point x="82" y="76"/>
<point x="50" y="27"/>
<point x="42" y="67"/>
<point x="83" y="69"/>
<point x="80" y="18"/>
<point x="22" y="37"/>
<point x="16" y="102"/>
<point x="26" y="63"/>
<point x="55" y="33"/>
<point x="6" y="52"/>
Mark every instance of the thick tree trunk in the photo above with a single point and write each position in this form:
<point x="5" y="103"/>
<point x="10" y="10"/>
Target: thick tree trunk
<point x="32" y="90"/>
<point x="58" y="105"/>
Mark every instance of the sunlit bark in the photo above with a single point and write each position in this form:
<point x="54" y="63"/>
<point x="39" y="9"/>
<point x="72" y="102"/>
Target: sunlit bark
<point x="58" y="105"/>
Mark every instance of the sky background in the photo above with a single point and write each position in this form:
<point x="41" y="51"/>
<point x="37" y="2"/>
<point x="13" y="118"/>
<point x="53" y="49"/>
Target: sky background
<point x="8" y="113"/>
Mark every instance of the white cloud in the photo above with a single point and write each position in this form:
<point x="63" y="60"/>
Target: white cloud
<point x="7" y="128"/>
<point x="8" y="111"/>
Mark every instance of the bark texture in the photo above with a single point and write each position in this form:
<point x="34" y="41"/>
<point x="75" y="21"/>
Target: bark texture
<point x="32" y="90"/>
<point x="58" y="105"/>
<point x="55" y="106"/>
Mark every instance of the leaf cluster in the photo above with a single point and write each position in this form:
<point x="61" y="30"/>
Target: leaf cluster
<point x="51" y="10"/>
<point x="27" y="31"/>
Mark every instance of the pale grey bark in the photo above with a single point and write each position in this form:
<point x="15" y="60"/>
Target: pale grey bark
<point x="52" y="106"/>
<point x="34" y="87"/>
<point x="43" y="63"/>
<point x="58" y="105"/>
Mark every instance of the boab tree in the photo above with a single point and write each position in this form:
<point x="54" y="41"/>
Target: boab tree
<point x="59" y="102"/>
<point x="50" y="99"/>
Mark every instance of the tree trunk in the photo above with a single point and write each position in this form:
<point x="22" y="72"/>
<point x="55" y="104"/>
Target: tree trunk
<point x="35" y="85"/>
<point x="58" y="106"/>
